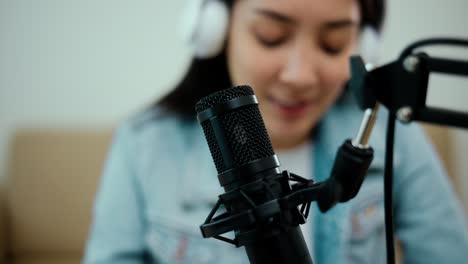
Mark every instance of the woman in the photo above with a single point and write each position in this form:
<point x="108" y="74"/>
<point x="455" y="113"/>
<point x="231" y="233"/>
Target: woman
<point x="160" y="183"/>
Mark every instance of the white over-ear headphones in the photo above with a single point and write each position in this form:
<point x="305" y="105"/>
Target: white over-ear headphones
<point x="205" y="24"/>
<point x="369" y="45"/>
<point x="204" y="27"/>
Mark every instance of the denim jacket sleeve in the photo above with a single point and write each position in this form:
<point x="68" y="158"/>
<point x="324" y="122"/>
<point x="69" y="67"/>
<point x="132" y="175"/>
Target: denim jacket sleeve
<point x="116" y="234"/>
<point x="428" y="217"/>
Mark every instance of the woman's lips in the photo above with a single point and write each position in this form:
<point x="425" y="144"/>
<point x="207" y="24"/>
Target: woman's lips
<point x="290" y="108"/>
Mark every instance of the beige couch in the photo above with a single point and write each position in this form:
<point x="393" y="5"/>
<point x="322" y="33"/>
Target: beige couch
<point x="47" y="199"/>
<point x="48" y="195"/>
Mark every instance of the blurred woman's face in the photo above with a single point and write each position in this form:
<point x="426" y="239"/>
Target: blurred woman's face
<point x="294" y="54"/>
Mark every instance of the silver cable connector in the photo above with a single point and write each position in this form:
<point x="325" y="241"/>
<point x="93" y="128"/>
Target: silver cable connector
<point x="367" y="124"/>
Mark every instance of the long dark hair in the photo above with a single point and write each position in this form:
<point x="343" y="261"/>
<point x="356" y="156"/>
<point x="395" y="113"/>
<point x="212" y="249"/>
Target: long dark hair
<point x="205" y="76"/>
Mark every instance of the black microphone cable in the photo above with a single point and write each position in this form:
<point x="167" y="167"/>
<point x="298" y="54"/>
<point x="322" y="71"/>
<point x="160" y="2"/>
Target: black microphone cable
<point x="388" y="189"/>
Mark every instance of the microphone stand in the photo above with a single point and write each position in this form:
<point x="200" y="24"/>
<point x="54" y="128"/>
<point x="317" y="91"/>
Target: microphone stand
<point x="401" y="86"/>
<point x="282" y="213"/>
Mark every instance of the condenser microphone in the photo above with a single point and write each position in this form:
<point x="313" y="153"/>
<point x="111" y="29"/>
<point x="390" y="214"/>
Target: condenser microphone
<point x="249" y="172"/>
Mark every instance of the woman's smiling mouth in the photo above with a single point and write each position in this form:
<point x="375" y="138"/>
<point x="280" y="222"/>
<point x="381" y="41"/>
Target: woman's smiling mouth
<point x="290" y="108"/>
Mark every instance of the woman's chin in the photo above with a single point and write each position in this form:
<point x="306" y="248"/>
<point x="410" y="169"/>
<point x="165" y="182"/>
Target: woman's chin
<point x="286" y="137"/>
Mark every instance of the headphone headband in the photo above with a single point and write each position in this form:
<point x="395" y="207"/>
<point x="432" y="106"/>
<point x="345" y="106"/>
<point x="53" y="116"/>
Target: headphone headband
<point x="205" y="24"/>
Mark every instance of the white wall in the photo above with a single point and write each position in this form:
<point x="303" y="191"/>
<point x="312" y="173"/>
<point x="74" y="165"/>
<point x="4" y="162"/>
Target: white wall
<point x="83" y="63"/>
<point x="90" y="63"/>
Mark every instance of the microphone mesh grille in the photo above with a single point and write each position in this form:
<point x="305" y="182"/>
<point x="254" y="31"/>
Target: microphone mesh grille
<point x="246" y="136"/>
<point x="222" y="96"/>
<point x="214" y="147"/>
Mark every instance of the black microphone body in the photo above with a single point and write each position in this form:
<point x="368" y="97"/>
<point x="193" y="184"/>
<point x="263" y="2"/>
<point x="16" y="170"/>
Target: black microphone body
<point x="248" y="170"/>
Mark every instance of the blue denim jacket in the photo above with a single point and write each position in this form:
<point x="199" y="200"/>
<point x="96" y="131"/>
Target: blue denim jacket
<point x="159" y="184"/>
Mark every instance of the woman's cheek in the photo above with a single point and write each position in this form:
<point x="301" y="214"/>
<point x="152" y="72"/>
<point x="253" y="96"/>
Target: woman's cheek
<point x="263" y="67"/>
<point x="336" y="75"/>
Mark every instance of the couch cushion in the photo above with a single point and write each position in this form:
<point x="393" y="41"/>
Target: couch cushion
<point x="51" y="187"/>
<point x="2" y="223"/>
<point x="442" y="139"/>
<point x="47" y="260"/>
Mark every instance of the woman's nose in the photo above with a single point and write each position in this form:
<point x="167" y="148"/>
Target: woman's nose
<point x="300" y="70"/>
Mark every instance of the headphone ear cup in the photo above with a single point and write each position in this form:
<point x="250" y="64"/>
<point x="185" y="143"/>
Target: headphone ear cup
<point x="208" y="40"/>
<point x="189" y="20"/>
<point x="369" y="45"/>
<point x="204" y="27"/>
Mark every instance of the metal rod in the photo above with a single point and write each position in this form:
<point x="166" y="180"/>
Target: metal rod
<point x="367" y="124"/>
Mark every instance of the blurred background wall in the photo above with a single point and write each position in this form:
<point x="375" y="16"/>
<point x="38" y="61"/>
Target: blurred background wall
<point x="87" y="64"/>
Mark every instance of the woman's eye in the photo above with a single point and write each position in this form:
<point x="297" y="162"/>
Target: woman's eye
<point x="270" y="43"/>
<point x="332" y="50"/>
